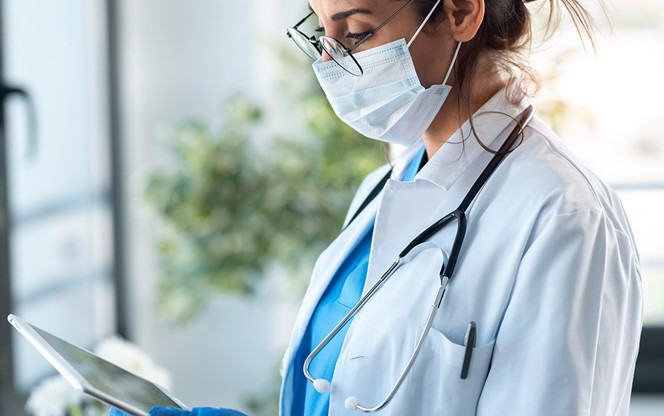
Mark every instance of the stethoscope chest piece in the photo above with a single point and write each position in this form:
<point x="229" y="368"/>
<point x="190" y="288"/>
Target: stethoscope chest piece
<point x="416" y="272"/>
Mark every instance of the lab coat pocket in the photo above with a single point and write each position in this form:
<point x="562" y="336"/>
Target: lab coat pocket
<point x="436" y="383"/>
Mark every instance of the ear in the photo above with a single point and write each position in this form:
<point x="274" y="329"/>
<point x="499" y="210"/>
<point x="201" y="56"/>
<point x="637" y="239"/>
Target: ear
<point x="464" y="18"/>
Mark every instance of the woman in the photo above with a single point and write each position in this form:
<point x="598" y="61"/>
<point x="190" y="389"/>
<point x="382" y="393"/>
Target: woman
<point x="541" y="299"/>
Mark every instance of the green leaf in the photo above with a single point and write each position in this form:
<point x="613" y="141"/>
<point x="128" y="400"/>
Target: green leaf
<point x="233" y="205"/>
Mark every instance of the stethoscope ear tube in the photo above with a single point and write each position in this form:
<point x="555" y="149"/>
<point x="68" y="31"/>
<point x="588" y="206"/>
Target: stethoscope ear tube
<point x="460" y="213"/>
<point x="448" y="267"/>
<point x="522" y="121"/>
<point x="430" y="231"/>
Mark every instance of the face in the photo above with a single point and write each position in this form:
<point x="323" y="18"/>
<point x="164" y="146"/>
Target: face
<point x="348" y="20"/>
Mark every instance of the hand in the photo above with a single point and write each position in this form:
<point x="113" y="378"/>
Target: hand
<point x="196" y="411"/>
<point x="116" y="412"/>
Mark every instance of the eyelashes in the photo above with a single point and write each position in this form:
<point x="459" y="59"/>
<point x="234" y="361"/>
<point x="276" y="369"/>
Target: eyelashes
<point x="349" y="35"/>
<point x="357" y="36"/>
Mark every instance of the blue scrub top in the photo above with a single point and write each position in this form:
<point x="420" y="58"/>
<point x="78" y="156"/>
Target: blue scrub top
<point x="343" y="292"/>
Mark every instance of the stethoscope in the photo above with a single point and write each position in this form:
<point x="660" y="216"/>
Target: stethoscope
<point x="446" y="272"/>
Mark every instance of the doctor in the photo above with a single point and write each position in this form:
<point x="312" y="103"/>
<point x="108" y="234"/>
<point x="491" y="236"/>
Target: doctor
<point x="537" y="310"/>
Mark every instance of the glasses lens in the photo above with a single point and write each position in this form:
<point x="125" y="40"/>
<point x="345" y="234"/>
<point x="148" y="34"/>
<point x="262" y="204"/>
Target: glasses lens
<point x="303" y="42"/>
<point x="340" y="54"/>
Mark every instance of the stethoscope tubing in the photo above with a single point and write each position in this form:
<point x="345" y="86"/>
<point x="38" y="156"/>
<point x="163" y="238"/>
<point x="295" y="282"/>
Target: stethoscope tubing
<point x="447" y="269"/>
<point x="348" y="317"/>
<point x="411" y="361"/>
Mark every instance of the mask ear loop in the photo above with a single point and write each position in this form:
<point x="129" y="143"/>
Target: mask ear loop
<point x="426" y="19"/>
<point x="454" y="58"/>
<point x="419" y="29"/>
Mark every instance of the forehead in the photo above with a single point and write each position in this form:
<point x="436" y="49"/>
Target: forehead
<point x="328" y="8"/>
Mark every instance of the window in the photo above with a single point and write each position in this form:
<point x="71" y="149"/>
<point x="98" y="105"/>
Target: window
<point x="57" y="251"/>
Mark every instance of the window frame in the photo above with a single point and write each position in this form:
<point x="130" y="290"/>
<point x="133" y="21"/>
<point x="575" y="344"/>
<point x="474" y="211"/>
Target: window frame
<point x="9" y="402"/>
<point x="13" y="401"/>
<point x="649" y="373"/>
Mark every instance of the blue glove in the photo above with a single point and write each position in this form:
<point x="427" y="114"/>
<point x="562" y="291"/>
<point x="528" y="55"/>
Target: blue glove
<point x="196" y="411"/>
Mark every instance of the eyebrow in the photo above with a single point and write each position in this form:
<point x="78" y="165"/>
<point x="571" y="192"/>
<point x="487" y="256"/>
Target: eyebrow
<point x="346" y="14"/>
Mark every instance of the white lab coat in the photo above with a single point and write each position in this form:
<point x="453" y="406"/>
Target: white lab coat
<point x="548" y="271"/>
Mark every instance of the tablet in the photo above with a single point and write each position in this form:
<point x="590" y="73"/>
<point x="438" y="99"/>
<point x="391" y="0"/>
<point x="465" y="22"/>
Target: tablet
<point x="95" y="376"/>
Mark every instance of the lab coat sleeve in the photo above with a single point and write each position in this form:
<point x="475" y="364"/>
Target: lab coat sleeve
<point x="569" y="337"/>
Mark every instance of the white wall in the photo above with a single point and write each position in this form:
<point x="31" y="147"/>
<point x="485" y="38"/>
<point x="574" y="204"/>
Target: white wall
<point x="180" y="59"/>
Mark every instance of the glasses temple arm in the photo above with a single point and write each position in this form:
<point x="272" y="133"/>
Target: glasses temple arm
<point x="380" y="26"/>
<point x="303" y="20"/>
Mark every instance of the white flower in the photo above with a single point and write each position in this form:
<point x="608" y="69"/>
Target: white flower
<point x="53" y="397"/>
<point x="130" y="357"/>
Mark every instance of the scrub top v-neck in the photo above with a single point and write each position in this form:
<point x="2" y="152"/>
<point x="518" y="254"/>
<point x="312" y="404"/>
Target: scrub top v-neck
<point x="343" y="292"/>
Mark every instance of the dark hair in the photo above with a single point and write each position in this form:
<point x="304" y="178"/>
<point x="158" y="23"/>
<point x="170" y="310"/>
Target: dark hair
<point x="505" y="36"/>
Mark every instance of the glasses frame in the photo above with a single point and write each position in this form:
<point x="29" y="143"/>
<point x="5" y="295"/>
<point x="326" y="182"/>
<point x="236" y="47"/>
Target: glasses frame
<point x="320" y="46"/>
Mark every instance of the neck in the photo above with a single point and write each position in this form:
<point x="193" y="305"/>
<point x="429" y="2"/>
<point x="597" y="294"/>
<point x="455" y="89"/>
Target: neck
<point x="456" y="111"/>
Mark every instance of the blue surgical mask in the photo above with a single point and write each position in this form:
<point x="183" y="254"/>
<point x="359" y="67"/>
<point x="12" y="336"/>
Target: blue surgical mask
<point x="388" y="102"/>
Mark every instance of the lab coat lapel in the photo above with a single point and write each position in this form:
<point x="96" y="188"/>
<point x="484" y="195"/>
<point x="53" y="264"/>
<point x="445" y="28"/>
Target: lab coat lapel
<point x="406" y="209"/>
<point x="327" y="265"/>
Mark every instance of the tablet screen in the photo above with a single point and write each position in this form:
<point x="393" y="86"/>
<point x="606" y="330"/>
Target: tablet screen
<point x="109" y="378"/>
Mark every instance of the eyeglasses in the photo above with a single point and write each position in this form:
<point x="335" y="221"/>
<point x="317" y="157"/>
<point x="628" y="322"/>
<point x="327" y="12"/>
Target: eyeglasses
<point x="336" y="50"/>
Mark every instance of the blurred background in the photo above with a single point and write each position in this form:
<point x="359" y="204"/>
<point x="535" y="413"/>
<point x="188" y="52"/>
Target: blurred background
<point x="169" y="170"/>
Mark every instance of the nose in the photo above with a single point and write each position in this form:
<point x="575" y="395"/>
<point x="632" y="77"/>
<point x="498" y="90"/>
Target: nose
<point x="325" y="57"/>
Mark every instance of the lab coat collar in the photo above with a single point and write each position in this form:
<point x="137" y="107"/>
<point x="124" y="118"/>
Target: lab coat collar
<point x="404" y="159"/>
<point x="462" y="148"/>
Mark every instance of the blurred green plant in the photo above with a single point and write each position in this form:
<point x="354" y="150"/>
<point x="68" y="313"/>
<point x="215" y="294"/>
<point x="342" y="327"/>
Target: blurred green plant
<point x="265" y="401"/>
<point x="236" y="201"/>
